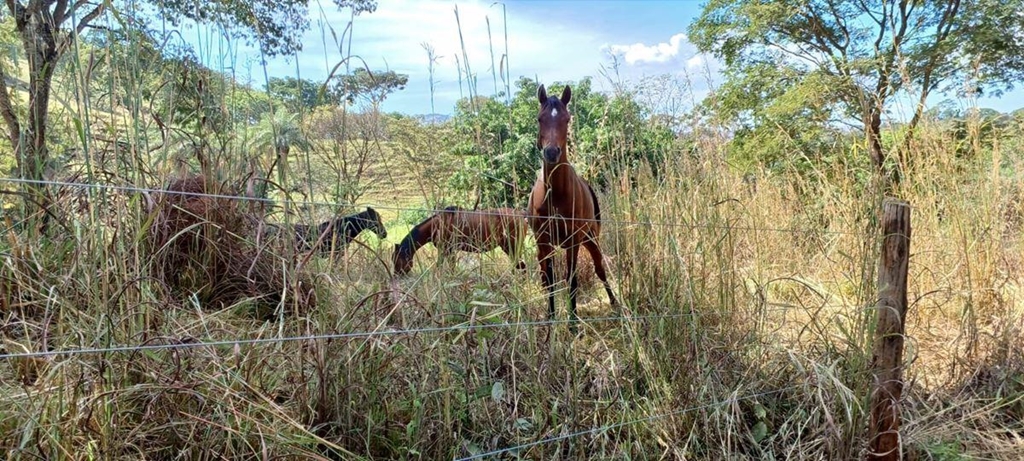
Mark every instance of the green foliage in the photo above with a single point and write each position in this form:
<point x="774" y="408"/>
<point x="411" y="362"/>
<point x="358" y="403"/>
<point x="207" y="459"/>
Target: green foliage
<point x="301" y="94"/>
<point x="370" y="87"/>
<point x="498" y="142"/>
<point x="781" y="117"/>
<point x="280" y="132"/>
<point x="797" y="69"/>
<point x="945" y="450"/>
<point x="971" y="131"/>
<point x="276" y="26"/>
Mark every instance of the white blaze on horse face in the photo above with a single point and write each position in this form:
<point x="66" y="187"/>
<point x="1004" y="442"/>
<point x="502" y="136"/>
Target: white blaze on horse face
<point x="554" y="113"/>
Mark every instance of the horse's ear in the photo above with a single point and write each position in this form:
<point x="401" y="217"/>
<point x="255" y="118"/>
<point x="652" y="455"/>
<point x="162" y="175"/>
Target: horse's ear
<point x="542" y="95"/>
<point x="566" y="96"/>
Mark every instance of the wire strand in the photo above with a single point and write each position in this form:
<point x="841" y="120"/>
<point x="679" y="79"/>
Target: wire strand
<point x="410" y="209"/>
<point x="361" y="334"/>
<point x="626" y="423"/>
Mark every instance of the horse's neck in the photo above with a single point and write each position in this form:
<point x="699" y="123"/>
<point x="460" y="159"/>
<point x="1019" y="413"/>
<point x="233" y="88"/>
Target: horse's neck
<point x="352" y="227"/>
<point x="421" y="235"/>
<point x="560" y="179"/>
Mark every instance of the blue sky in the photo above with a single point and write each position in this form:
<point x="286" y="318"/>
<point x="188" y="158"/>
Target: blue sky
<point x="548" y="40"/>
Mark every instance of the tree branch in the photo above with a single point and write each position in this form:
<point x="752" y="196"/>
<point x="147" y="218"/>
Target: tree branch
<point x="867" y="10"/>
<point x="803" y="55"/>
<point x="881" y="30"/>
<point x="59" y="11"/>
<point x="841" y="23"/>
<point x="18" y="11"/>
<point x="90" y="16"/>
<point x="943" y="30"/>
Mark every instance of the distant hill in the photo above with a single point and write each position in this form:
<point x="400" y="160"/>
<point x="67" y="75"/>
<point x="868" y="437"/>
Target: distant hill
<point x="433" y="119"/>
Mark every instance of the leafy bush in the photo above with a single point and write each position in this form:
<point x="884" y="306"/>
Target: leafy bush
<point x="497" y="142"/>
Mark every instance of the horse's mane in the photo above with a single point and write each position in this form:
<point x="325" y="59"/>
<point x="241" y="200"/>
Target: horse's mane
<point x="407" y="242"/>
<point x="366" y="217"/>
<point x="369" y="211"/>
<point x="406" y="245"/>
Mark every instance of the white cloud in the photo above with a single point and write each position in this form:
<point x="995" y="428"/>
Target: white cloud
<point x="696" y="62"/>
<point x="539" y="46"/>
<point x="660" y="53"/>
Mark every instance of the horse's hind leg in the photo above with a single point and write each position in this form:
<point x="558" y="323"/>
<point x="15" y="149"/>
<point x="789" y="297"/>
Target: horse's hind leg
<point x="595" y="254"/>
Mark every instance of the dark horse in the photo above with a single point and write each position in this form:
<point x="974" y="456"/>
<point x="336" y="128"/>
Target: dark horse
<point x="334" y="235"/>
<point x="563" y="208"/>
<point x="455" y="229"/>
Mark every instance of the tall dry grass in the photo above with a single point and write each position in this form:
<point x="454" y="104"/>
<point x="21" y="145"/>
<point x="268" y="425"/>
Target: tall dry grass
<point x="745" y="331"/>
<point x="765" y="300"/>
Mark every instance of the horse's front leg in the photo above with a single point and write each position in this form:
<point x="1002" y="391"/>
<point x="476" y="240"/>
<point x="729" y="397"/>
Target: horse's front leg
<point x="547" y="279"/>
<point x="445" y="256"/>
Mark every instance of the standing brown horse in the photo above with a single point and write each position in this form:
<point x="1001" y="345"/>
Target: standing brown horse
<point x="455" y="229"/>
<point x="563" y="209"/>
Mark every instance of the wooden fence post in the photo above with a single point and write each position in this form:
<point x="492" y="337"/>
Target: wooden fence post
<point x="887" y="359"/>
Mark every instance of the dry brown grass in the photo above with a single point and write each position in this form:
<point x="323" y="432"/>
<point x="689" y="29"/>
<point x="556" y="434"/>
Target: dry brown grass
<point x="217" y="249"/>
<point x="760" y="347"/>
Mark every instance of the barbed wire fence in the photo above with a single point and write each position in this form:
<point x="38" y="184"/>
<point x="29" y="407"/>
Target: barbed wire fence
<point x="189" y="343"/>
<point x="165" y="192"/>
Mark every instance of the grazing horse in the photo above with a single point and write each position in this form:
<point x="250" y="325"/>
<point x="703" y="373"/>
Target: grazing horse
<point x="563" y="208"/>
<point x="455" y="229"/>
<point x="336" y="234"/>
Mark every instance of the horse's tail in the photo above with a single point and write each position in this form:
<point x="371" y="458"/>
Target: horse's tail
<point x="597" y="206"/>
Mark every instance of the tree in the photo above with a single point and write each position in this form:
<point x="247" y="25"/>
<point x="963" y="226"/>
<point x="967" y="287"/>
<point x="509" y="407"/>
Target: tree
<point x="301" y="94"/>
<point x="347" y="143"/>
<point x="48" y="29"/>
<point x="370" y="87"/>
<point x="858" y="55"/>
<point x="280" y="132"/>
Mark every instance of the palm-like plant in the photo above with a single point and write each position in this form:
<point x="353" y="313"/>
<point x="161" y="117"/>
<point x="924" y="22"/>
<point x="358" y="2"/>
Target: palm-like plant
<point x="280" y="132"/>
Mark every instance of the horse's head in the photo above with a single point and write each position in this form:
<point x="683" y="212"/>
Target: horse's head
<point x="401" y="259"/>
<point x="553" y="120"/>
<point x="376" y="224"/>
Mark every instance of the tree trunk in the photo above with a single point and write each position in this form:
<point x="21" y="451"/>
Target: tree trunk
<point x="37" y="35"/>
<point x="873" y="131"/>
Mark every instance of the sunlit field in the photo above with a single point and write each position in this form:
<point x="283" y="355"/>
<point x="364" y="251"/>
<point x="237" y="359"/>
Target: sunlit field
<point x="154" y="304"/>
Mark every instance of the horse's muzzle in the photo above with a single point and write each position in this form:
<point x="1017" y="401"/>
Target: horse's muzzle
<point x="551" y="154"/>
